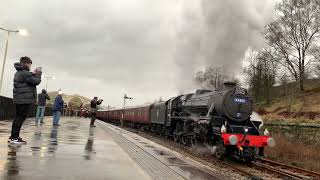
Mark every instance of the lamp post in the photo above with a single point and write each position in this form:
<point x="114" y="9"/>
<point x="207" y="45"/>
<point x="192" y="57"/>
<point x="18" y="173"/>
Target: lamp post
<point x="125" y="97"/>
<point x="48" y="78"/>
<point x="22" y="32"/>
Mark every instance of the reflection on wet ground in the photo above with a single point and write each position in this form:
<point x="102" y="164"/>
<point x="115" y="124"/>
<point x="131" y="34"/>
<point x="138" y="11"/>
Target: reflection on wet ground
<point x="12" y="164"/>
<point x="89" y="150"/>
<point x="194" y="173"/>
<point x="70" y="151"/>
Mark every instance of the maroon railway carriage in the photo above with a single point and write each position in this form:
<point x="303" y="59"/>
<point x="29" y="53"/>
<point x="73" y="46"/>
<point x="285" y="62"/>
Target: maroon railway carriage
<point x="103" y="115"/>
<point x="115" y="114"/>
<point x="139" y="114"/>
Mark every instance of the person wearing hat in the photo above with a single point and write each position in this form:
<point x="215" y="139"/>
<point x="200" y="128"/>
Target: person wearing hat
<point x="57" y="108"/>
<point x="24" y="95"/>
<point x="93" y="104"/>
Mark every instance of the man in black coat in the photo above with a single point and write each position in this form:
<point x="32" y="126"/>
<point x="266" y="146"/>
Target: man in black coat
<point x="93" y="104"/>
<point x="24" y="95"/>
<point x="42" y="99"/>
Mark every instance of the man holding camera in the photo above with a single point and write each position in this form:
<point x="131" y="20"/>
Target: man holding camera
<point x="24" y="95"/>
<point x="42" y="99"/>
<point x="93" y="104"/>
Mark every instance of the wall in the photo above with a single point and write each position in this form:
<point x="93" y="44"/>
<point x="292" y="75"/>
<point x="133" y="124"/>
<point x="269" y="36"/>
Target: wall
<point x="307" y="133"/>
<point x="7" y="109"/>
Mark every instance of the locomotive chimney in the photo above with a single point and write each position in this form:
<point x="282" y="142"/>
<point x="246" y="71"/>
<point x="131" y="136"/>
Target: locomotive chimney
<point x="229" y="85"/>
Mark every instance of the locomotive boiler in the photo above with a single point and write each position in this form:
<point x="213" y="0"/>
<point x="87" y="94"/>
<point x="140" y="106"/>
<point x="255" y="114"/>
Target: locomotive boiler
<point x="232" y="102"/>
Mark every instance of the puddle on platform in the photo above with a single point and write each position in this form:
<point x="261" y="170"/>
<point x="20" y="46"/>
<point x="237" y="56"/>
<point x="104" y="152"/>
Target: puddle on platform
<point x="35" y="148"/>
<point x="194" y="173"/>
<point x="162" y="153"/>
<point x="174" y="160"/>
<point x="4" y="131"/>
<point x="150" y="146"/>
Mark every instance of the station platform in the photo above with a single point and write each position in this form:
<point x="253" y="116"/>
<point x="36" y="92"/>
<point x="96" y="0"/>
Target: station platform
<point x="76" y="151"/>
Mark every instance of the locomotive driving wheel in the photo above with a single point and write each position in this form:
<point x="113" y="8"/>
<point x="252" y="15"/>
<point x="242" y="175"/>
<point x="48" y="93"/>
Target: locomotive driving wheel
<point x="184" y="140"/>
<point x="177" y="133"/>
<point x="176" y="136"/>
<point x="194" y="142"/>
<point x="166" y="132"/>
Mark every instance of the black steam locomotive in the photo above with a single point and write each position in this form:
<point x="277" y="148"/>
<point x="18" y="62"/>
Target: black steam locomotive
<point x="220" y="119"/>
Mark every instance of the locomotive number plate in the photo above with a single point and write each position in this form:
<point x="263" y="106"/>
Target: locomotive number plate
<point x="238" y="100"/>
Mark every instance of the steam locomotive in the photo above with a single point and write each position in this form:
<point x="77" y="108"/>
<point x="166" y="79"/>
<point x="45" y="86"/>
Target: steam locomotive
<point x="221" y="119"/>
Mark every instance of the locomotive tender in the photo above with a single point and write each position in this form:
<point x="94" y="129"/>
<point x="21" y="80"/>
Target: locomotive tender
<point x="220" y="119"/>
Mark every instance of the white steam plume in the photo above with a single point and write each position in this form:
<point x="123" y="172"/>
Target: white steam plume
<point x="217" y="33"/>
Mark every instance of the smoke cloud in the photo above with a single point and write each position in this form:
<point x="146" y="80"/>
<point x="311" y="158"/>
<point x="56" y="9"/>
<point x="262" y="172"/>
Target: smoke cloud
<point x="217" y="33"/>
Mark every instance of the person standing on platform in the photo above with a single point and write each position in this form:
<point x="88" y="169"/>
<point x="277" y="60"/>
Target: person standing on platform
<point x="42" y="98"/>
<point x="24" y="95"/>
<point x="57" y="108"/>
<point x="93" y="104"/>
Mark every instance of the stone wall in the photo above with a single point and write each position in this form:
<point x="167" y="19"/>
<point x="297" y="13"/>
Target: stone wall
<point x="306" y="133"/>
<point x="7" y="109"/>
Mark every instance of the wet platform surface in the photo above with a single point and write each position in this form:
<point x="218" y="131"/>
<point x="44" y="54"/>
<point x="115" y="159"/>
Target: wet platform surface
<point x="75" y="151"/>
<point x="70" y="151"/>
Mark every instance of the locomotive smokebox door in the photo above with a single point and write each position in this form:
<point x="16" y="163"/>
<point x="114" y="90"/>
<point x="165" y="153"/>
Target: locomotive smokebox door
<point x="238" y="106"/>
<point x="233" y="103"/>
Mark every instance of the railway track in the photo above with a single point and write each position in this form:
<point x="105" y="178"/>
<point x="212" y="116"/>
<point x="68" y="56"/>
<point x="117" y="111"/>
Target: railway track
<point x="276" y="172"/>
<point x="243" y="172"/>
<point x="277" y="169"/>
<point x="285" y="170"/>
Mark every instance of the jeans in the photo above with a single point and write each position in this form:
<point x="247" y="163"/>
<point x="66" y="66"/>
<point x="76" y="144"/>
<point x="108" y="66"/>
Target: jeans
<point x="40" y="113"/>
<point x="93" y="118"/>
<point x="56" y="117"/>
<point x="21" y="114"/>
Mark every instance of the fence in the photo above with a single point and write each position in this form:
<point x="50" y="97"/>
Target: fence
<point x="7" y="109"/>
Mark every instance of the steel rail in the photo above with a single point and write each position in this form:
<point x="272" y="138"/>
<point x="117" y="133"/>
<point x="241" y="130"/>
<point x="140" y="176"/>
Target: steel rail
<point x="283" y="174"/>
<point x="243" y="172"/>
<point x="297" y="169"/>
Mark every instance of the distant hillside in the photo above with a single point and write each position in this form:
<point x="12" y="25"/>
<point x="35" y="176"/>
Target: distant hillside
<point x="74" y="99"/>
<point x="292" y="105"/>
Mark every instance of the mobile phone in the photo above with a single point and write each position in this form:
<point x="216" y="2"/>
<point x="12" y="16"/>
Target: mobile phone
<point x="39" y="69"/>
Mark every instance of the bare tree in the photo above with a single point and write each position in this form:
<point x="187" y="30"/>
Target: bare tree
<point x="213" y="77"/>
<point x="294" y="33"/>
<point x="261" y="74"/>
<point x="317" y="70"/>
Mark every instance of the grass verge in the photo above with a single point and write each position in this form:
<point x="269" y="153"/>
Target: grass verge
<point x="294" y="153"/>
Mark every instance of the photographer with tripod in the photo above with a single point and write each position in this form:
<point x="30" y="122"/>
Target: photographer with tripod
<point x="93" y="104"/>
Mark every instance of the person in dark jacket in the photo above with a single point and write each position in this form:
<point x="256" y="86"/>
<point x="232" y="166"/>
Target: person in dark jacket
<point x="57" y="108"/>
<point x="42" y="98"/>
<point x="93" y="104"/>
<point x="24" y="95"/>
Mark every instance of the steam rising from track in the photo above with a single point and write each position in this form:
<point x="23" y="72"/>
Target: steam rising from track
<point x="217" y="33"/>
<point x="204" y="150"/>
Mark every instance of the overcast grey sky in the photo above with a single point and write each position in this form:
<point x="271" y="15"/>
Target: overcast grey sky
<point x="145" y="48"/>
